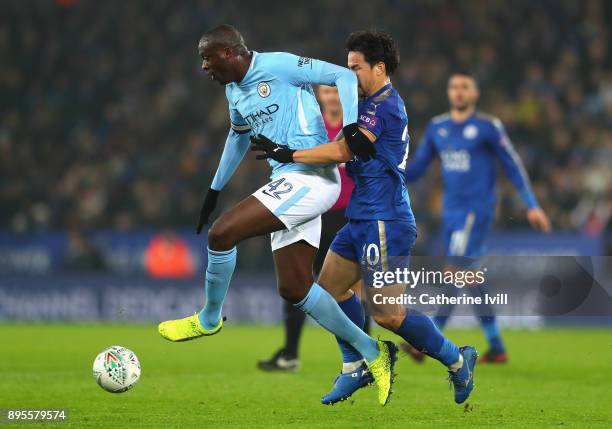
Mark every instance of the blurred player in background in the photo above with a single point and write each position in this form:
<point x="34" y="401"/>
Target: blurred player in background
<point x="468" y="144"/>
<point x="381" y="228"/>
<point x="287" y="358"/>
<point x="271" y="93"/>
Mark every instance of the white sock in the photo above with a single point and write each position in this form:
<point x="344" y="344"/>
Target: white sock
<point x="457" y="365"/>
<point x="351" y="366"/>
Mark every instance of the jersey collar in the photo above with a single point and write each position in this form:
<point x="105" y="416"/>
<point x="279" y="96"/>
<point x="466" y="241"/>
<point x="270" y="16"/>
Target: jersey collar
<point x="468" y="119"/>
<point x="380" y="91"/>
<point x="247" y="76"/>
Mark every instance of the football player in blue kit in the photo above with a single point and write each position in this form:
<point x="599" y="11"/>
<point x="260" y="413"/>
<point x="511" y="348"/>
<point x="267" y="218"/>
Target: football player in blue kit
<point x="468" y="144"/>
<point x="271" y="93"/>
<point x="381" y="228"/>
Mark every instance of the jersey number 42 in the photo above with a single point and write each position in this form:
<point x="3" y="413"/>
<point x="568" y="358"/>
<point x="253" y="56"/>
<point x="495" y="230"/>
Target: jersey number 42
<point x="277" y="188"/>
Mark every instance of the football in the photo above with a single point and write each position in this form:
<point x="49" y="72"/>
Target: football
<point x="116" y="369"/>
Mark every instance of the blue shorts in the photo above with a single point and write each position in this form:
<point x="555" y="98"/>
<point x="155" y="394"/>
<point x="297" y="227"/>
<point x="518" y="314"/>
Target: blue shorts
<point x="376" y="245"/>
<point x="465" y="235"/>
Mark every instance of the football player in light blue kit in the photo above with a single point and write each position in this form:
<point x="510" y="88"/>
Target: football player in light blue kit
<point x="271" y="93"/>
<point x="468" y="144"/>
<point x="381" y="228"/>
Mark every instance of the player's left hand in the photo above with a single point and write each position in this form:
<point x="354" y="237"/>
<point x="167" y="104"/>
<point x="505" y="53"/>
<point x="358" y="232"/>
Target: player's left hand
<point x="538" y="220"/>
<point x="275" y="151"/>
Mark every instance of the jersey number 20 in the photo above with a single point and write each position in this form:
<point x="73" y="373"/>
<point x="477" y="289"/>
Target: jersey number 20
<point x="402" y="165"/>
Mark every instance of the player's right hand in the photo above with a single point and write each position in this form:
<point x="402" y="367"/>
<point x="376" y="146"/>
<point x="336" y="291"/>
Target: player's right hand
<point x="210" y="202"/>
<point x="538" y="220"/>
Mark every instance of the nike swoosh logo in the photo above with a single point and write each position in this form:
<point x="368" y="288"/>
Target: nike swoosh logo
<point x="353" y="135"/>
<point x="467" y="382"/>
<point x="275" y="149"/>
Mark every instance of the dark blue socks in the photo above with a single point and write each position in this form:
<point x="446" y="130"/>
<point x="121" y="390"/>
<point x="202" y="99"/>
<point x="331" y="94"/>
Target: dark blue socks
<point x="353" y="309"/>
<point x="419" y="330"/>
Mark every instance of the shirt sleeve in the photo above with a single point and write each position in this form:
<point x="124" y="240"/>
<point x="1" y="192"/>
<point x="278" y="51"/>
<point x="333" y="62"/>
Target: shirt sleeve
<point x="236" y="146"/>
<point x="425" y="153"/>
<point x="304" y="70"/>
<point x="372" y="122"/>
<point x="237" y="122"/>
<point x="511" y="163"/>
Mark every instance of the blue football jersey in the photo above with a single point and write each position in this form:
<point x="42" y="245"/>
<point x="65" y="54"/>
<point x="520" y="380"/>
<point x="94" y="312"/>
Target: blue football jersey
<point x="468" y="152"/>
<point x="380" y="190"/>
<point x="275" y="98"/>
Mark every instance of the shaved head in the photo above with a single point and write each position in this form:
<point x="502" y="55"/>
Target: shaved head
<point x="223" y="36"/>
<point x="225" y="57"/>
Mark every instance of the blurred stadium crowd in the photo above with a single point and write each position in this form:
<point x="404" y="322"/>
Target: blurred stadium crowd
<point x="107" y="121"/>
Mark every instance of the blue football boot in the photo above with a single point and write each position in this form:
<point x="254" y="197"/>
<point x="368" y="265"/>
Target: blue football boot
<point x="347" y="384"/>
<point x="463" y="379"/>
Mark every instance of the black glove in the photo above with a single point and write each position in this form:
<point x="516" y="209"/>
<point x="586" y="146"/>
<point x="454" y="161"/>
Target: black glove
<point x="210" y="202"/>
<point x="278" y="152"/>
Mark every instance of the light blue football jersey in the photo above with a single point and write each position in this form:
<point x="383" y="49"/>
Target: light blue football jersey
<point x="275" y="98"/>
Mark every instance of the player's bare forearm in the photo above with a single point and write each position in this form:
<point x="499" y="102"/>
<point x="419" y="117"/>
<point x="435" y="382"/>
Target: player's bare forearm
<point x="336" y="151"/>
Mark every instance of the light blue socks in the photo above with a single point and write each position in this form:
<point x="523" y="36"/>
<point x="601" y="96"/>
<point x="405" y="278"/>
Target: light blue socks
<point x="323" y="308"/>
<point x="219" y="272"/>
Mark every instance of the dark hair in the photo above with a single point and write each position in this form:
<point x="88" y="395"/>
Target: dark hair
<point x="376" y="47"/>
<point x="464" y="72"/>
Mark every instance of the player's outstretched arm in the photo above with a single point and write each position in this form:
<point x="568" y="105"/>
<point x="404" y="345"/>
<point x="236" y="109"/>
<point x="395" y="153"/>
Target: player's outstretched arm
<point x="332" y="152"/>
<point x="514" y="169"/>
<point x="356" y="141"/>
<point x="337" y="151"/>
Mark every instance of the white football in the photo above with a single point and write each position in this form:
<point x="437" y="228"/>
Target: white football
<point x="116" y="369"/>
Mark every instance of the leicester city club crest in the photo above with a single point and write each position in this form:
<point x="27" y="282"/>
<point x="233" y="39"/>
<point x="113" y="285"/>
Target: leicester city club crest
<point x="470" y="132"/>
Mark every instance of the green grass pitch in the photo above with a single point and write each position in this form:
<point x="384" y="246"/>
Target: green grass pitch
<point x="555" y="378"/>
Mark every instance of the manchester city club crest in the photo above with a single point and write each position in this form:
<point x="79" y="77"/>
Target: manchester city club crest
<point x="263" y="89"/>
